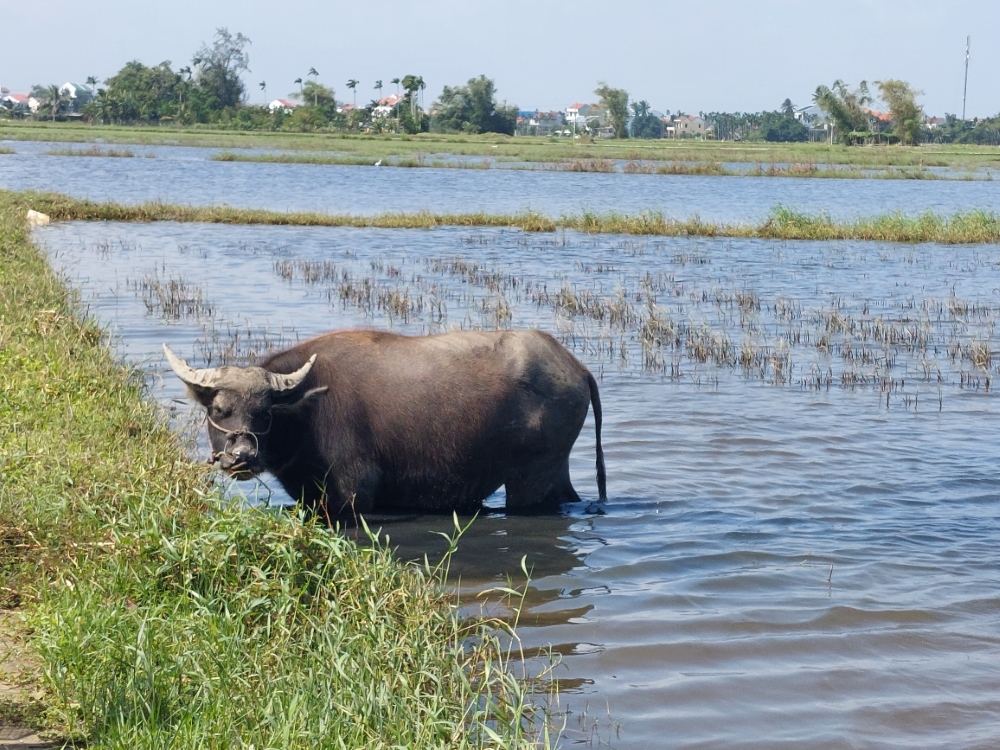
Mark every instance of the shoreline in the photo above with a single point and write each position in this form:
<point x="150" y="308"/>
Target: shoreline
<point x="146" y="604"/>
<point x="971" y="227"/>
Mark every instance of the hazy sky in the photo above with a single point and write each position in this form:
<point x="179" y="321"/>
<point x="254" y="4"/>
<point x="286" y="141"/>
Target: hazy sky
<point x="691" y="55"/>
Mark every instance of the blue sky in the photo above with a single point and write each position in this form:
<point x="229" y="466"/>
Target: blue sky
<point x="690" y="55"/>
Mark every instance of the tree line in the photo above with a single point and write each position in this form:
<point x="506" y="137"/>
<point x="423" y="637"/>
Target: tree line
<point x="211" y="90"/>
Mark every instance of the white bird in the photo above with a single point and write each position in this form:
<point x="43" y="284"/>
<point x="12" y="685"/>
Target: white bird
<point x="378" y="163"/>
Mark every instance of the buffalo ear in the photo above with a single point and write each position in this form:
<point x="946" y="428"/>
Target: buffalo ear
<point x="201" y="394"/>
<point x="287" y="402"/>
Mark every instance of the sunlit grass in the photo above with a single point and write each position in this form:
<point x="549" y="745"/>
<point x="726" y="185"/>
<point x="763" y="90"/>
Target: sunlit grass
<point x="976" y="226"/>
<point x="164" y="616"/>
<point x="340" y="160"/>
<point x="92" y="151"/>
<point x="521" y="148"/>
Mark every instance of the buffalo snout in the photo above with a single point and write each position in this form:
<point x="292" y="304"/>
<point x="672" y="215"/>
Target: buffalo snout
<point x="240" y="458"/>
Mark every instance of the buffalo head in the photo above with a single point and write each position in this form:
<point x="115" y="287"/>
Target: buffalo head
<point x="242" y="403"/>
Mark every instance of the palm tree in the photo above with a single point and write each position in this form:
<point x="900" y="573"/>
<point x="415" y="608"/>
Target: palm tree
<point x="186" y="70"/>
<point x="396" y="81"/>
<point x="420" y="87"/>
<point x="353" y="86"/>
<point x="410" y="87"/>
<point x="263" y="87"/>
<point x="378" y="88"/>
<point x="299" y="81"/>
<point x="787" y="108"/>
<point x="50" y="98"/>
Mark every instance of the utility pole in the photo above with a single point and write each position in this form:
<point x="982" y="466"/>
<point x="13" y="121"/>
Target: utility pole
<point x="965" y="88"/>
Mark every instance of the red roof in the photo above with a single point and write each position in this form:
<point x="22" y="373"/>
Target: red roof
<point x="577" y="106"/>
<point x="389" y="101"/>
<point x="20" y="98"/>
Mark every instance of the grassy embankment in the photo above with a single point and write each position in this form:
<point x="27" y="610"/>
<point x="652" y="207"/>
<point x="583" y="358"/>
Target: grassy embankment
<point x="782" y="224"/>
<point x="157" y="615"/>
<point x="521" y="148"/>
<point x="606" y="166"/>
<point x="94" y="150"/>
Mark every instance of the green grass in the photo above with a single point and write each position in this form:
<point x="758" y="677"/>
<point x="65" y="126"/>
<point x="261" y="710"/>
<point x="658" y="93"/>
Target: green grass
<point x="975" y="226"/>
<point x="358" y="161"/>
<point x="161" y="616"/>
<point x="531" y="149"/>
<point x="606" y="166"/>
<point x="5" y="150"/>
<point x="92" y="151"/>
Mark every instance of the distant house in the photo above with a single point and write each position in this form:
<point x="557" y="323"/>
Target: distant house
<point x="346" y="109"/>
<point x="579" y="113"/>
<point x="282" y="104"/>
<point x="386" y="105"/>
<point x="933" y="123"/>
<point x="539" y="123"/>
<point x="690" y="126"/>
<point x="79" y="94"/>
<point x="813" y="115"/>
<point x="577" y="110"/>
<point x="878" y="121"/>
<point x="15" y="102"/>
<point x="818" y="121"/>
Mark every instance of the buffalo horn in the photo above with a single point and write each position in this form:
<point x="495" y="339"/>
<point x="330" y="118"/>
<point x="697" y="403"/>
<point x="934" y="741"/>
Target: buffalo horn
<point x="281" y="382"/>
<point x="201" y="378"/>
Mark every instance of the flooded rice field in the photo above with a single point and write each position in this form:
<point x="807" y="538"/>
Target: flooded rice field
<point x="186" y="175"/>
<point x="800" y="546"/>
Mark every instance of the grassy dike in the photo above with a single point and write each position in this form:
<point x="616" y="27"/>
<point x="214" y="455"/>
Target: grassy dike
<point x="520" y="148"/>
<point x="153" y="615"/>
<point x="969" y="227"/>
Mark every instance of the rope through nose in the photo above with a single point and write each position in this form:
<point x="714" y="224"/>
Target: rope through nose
<point x="231" y="436"/>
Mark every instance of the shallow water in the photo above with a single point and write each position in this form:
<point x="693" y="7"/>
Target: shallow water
<point x="800" y="545"/>
<point x="185" y="175"/>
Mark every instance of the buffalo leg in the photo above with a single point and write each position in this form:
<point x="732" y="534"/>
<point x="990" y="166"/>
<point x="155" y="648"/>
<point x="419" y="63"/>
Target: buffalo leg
<point x="541" y="487"/>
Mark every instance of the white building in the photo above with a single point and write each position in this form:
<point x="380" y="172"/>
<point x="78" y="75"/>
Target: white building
<point x="690" y="126"/>
<point x="15" y="102"/>
<point x="282" y="104"/>
<point x="78" y="93"/>
<point x="386" y="106"/>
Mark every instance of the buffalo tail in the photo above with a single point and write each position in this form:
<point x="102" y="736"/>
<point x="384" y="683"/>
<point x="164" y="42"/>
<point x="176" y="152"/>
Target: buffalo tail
<point x="595" y="401"/>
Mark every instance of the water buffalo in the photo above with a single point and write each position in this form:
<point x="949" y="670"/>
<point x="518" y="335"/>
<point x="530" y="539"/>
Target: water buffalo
<point x="360" y="421"/>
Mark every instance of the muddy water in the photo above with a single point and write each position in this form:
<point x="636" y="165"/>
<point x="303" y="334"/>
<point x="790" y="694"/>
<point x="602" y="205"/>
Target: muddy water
<point x="800" y="548"/>
<point x="185" y="175"/>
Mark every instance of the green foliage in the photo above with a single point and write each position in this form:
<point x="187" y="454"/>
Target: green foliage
<point x="907" y="115"/>
<point x="317" y="95"/>
<point x="138" y="93"/>
<point x="777" y="127"/>
<point x="980" y="132"/>
<point x="219" y="68"/>
<point x="847" y="108"/>
<point x="644" y="124"/>
<point x="52" y="102"/>
<point x="473" y="108"/>
<point x="615" y="103"/>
